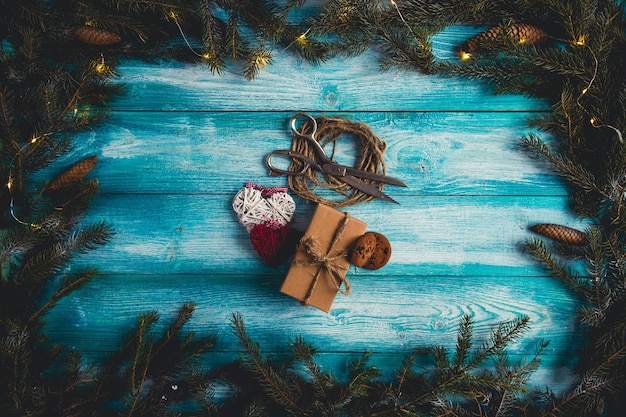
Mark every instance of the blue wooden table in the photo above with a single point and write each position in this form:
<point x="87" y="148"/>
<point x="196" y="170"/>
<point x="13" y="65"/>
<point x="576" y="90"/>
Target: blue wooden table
<point x="181" y="142"/>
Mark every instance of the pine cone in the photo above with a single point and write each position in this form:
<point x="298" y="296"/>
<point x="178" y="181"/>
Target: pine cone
<point x="519" y="32"/>
<point x="96" y="36"/>
<point x="73" y="174"/>
<point x="560" y="233"/>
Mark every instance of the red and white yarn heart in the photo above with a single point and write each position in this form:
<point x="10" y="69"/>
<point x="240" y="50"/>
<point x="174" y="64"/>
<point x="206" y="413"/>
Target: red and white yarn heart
<point x="255" y="204"/>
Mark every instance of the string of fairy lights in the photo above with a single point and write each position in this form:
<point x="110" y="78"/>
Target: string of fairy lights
<point x="579" y="42"/>
<point x="9" y="184"/>
<point x="261" y="57"/>
<point x="100" y="67"/>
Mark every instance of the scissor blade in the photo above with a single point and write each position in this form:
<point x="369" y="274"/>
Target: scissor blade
<point x="366" y="188"/>
<point x="374" y="176"/>
<point x="342" y="170"/>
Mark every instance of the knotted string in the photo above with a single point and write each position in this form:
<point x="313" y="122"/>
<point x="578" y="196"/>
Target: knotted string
<point x="325" y="262"/>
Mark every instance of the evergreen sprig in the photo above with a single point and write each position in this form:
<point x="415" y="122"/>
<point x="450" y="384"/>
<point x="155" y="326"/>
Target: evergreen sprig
<point x="454" y="383"/>
<point x="52" y="84"/>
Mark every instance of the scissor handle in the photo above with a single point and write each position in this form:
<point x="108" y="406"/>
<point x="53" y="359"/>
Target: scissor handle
<point x="310" y="137"/>
<point x="306" y="162"/>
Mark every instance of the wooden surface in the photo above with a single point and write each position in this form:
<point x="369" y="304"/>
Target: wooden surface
<point x="181" y="142"/>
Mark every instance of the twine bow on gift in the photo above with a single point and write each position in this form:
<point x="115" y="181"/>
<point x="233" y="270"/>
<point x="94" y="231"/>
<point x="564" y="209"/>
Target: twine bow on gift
<point x="325" y="262"/>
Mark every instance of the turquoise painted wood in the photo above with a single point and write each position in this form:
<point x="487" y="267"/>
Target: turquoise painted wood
<point x="182" y="142"/>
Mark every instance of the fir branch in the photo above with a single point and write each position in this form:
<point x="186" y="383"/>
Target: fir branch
<point x="38" y="266"/>
<point x="271" y="381"/>
<point x="361" y="378"/>
<point x="322" y="381"/>
<point x="211" y="35"/>
<point x="405" y="374"/>
<point x="540" y="252"/>
<point x="504" y="334"/>
<point x="464" y="342"/>
<point x="598" y="295"/>
<point x="566" y="168"/>
<point x="69" y="284"/>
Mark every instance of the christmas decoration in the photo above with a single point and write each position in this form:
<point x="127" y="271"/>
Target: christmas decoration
<point x="265" y="213"/>
<point x="560" y="233"/>
<point x="520" y="33"/>
<point x="96" y="36"/>
<point x="73" y="174"/>
<point x="319" y="267"/>
<point x="274" y="244"/>
<point x="309" y="390"/>
<point x="255" y="205"/>
<point x="581" y="76"/>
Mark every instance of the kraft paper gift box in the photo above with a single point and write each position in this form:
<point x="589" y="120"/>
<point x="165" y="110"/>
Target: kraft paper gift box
<point x="321" y="261"/>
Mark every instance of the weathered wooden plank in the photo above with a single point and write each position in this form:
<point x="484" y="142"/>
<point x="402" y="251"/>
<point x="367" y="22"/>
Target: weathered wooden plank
<point x="198" y="234"/>
<point x="216" y="152"/>
<point x="291" y="83"/>
<point x="391" y="313"/>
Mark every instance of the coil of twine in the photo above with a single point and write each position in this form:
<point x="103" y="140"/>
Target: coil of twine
<point x="329" y="130"/>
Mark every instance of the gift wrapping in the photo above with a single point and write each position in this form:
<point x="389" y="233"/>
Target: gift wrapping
<point x="320" y="263"/>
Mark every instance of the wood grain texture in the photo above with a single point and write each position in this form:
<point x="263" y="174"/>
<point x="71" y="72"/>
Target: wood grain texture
<point x="390" y="314"/>
<point x="191" y="234"/>
<point x="182" y="142"/>
<point x="435" y="153"/>
<point x="296" y="85"/>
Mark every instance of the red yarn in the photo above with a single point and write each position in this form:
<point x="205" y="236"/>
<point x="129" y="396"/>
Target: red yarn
<point x="274" y="245"/>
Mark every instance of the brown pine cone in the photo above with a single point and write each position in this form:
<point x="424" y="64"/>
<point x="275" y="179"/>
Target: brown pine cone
<point x="96" y="36"/>
<point x="73" y="174"/>
<point x="519" y="32"/>
<point x="560" y="233"/>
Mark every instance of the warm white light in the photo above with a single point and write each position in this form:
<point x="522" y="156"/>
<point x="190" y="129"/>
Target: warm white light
<point x="581" y="40"/>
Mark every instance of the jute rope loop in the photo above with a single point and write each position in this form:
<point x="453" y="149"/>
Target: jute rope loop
<point x="329" y="130"/>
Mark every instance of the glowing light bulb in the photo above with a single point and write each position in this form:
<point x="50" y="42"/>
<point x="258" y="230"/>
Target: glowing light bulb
<point x="301" y="39"/>
<point x="100" y="68"/>
<point x="465" y="56"/>
<point x="581" y="40"/>
<point x="206" y="56"/>
<point x="584" y="91"/>
<point x="593" y="121"/>
<point x="9" y="184"/>
<point x="522" y="40"/>
<point x="33" y="140"/>
<point x="261" y="60"/>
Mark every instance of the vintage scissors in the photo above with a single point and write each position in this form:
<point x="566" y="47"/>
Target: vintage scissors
<point x="350" y="175"/>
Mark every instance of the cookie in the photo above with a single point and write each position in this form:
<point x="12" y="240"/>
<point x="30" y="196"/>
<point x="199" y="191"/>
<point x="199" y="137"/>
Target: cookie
<point x="363" y="249"/>
<point x="371" y="251"/>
